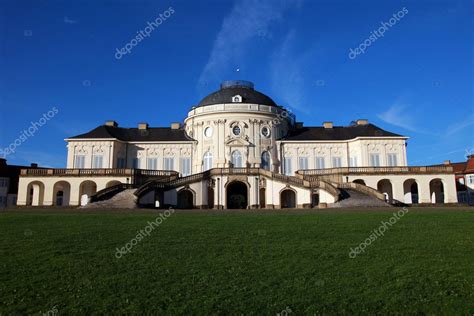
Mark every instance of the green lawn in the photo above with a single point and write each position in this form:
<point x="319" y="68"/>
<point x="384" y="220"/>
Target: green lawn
<point x="237" y="263"/>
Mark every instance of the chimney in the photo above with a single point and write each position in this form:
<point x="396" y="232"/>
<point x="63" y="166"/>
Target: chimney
<point x="3" y="162"/>
<point x="362" y="122"/>
<point x="175" y="125"/>
<point x="142" y="126"/>
<point x="447" y="162"/>
<point x="299" y="124"/>
<point x="328" y="125"/>
<point x="111" y="123"/>
<point x="34" y="165"/>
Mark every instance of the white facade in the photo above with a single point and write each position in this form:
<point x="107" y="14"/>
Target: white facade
<point x="235" y="149"/>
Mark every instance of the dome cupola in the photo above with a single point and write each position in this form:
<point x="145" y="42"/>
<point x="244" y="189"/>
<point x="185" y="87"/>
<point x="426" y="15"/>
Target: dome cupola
<point x="237" y="91"/>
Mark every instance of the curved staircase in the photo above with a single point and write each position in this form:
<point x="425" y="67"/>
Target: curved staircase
<point x="125" y="199"/>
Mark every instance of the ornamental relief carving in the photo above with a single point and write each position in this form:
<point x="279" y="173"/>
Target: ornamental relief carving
<point x="169" y="152"/>
<point x="82" y="150"/>
<point x="153" y="152"/>
<point x="98" y="150"/>
<point x="185" y="152"/>
<point x="303" y="152"/>
<point x="374" y="148"/>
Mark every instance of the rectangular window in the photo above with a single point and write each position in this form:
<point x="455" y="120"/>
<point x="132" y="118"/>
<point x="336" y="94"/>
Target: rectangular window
<point x="97" y="162"/>
<point x="168" y="163"/>
<point x="319" y="162"/>
<point x="392" y="160"/>
<point x="120" y="162"/>
<point x="353" y="161"/>
<point x="303" y="163"/>
<point x="3" y="183"/>
<point x="336" y="162"/>
<point x="287" y="168"/>
<point x="152" y="164"/>
<point x="185" y="166"/>
<point x="375" y="160"/>
<point x="136" y="163"/>
<point x="79" y="161"/>
<point x="470" y="179"/>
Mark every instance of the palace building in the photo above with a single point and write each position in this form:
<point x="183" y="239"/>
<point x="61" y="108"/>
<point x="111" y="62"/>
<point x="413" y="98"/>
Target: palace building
<point x="237" y="148"/>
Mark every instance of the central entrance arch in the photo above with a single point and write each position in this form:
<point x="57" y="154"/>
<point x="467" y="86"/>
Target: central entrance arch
<point x="185" y="199"/>
<point x="288" y="199"/>
<point x="236" y="194"/>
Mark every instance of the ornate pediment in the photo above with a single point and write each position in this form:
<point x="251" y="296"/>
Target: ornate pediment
<point x="237" y="142"/>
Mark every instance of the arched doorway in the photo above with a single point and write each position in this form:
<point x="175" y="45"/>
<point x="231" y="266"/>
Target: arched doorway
<point x="112" y="183"/>
<point x="210" y="197"/>
<point x="437" y="191"/>
<point x="35" y="193"/>
<point x="288" y="199"/>
<point x="61" y="193"/>
<point x="185" y="199"/>
<point x="359" y="181"/>
<point x="237" y="195"/>
<point x="314" y="199"/>
<point x="86" y="190"/>
<point x="385" y="186"/>
<point x="410" y="191"/>
<point x="261" y="197"/>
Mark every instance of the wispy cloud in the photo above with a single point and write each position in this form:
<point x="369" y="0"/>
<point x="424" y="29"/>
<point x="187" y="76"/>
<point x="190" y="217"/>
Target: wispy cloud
<point x="246" y="21"/>
<point x="402" y="115"/>
<point x="69" y="21"/>
<point x="398" y="115"/>
<point x="459" y="126"/>
<point x="287" y="72"/>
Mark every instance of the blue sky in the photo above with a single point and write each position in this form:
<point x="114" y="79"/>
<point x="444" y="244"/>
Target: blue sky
<point x="416" y="80"/>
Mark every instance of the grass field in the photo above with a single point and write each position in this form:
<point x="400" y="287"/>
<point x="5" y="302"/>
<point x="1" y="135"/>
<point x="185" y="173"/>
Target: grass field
<point x="237" y="263"/>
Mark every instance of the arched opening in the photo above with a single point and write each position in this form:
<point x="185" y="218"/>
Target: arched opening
<point x="61" y="193"/>
<point x="359" y="181"/>
<point x="236" y="159"/>
<point x="86" y="190"/>
<point x="261" y="197"/>
<point x="237" y="195"/>
<point x="314" y="199"/>
<point x="265" y="163"/>
<point x="35" y="193"/>
<point x="288" y="199"/>
<point x="385" y="186"/>
<point x="210" y="197"/>
<point x="437" y="191"/>
<point x="207" y="161"/>
<point x="410" y="191"/>
<point x="112" y="183"/>
<point x="59" y="198"/>
<point x="185" y="199"/>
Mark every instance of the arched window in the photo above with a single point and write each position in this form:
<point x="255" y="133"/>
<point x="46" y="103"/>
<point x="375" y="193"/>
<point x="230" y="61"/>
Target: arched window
<point x="207" y="161"/>
<point x="236" y="159"/>
<point x="265" y="164"/>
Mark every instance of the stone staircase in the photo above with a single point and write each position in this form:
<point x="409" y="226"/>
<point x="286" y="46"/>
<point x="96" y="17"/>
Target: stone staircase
<point x="124" y="199"/>
<point x="354" y="198"/>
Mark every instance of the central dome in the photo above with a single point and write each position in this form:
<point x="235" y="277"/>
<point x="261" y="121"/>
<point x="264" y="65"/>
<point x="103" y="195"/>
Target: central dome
<point x="232" y="88"/>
